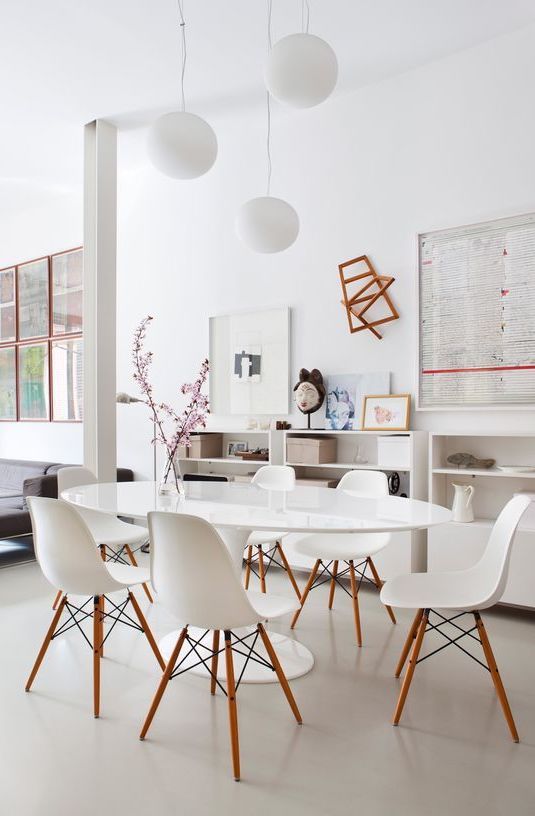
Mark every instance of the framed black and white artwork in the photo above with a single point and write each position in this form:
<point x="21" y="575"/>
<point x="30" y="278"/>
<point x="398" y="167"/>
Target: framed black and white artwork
<point x="249" y="362"/>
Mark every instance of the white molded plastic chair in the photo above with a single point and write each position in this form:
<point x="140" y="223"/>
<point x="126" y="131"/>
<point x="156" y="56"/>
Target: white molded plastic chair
<point x="111" y="534"/>
<point x="267" y="545"/>
<point x="68" y="556"/>
<point x="461" y="592"/>
<point x="195" y="578"/>
<point x="355" y="549"/>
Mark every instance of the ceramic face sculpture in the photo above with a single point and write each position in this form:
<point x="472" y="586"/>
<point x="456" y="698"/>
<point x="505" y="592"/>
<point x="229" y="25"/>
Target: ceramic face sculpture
<point x="309" y="391"/>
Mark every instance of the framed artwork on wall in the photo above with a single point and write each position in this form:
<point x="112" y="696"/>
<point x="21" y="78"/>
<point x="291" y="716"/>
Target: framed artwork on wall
<point x="8" y="383"/>
<point x="34" y="392"/>
<point x="33" y="299"/>
<point x="386" y="412"/>
<point x="249" y="362"/>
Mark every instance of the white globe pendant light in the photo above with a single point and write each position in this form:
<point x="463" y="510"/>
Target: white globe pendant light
<point x="301" y="70"/>
<point x="181" y="144"/>
<point x="267" y="224"/>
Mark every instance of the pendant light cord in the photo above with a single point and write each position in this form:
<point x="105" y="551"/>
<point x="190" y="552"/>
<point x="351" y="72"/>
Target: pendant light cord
<point x="268" y="106"/>
<point x="305" y="16"/>
<point x="182" y="25"/>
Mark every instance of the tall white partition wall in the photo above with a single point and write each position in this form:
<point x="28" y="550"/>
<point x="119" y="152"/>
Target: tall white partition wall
<point x="100" y="285"/>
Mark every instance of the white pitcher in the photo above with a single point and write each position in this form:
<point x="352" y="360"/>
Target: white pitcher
<point x="462" y="503"/>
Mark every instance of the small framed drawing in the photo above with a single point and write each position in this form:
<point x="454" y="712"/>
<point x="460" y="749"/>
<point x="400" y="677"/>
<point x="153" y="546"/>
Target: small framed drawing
<point x="236" y="447"/>
<point x="386" y="412"/>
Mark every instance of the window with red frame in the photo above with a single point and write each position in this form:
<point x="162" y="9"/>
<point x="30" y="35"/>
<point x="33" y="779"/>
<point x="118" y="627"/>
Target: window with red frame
<point x="41" y="344"/>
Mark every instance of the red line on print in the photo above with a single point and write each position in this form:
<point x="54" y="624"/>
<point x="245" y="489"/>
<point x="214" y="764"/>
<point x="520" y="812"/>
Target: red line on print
<point x="482" y="368"/>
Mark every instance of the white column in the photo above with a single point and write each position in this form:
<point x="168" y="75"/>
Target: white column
<point x="100" y="244"/>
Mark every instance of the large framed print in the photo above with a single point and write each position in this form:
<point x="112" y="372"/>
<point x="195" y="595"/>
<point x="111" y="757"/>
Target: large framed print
<point x="33" y="299"/>
<point x="67" y="379"/>
<point x="8" y="383"/>
<point x="477" y="315"/>
<point x="34" y="391"/>
<point x="8" y="329"/>
<point x="249" y="362"/>
<point x="67" y="292"/>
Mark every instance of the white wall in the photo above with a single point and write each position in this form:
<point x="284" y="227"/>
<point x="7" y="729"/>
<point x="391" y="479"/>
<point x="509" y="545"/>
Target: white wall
<point x="40" y="221"/>
<point x="447" y="144"/>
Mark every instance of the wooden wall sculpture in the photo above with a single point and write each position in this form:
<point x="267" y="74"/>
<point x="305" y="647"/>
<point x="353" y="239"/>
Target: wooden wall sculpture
<point x="363" y="288"/>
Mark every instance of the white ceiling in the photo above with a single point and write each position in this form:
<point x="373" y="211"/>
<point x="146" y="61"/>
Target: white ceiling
<point x="66" y="62"/>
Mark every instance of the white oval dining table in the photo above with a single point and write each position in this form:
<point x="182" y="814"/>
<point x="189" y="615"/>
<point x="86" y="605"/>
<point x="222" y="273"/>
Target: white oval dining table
<point x="236" y="509"/>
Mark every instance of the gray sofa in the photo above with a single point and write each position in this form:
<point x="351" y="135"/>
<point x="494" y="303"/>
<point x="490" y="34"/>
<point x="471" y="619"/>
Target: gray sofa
<point x="18" y="480"/>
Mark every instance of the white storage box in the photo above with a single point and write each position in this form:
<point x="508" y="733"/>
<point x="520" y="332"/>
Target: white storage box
<point x="394" y="452"/>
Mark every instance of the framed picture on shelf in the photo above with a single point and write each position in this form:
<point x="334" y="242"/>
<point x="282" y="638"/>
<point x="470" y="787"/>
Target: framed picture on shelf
<point x="236" y="447"/>
<point x="345" y="394"/>
<point x="386" y="412"/>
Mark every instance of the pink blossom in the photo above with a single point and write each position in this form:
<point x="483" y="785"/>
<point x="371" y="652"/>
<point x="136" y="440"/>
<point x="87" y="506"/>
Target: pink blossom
<point x="172" y="429"/>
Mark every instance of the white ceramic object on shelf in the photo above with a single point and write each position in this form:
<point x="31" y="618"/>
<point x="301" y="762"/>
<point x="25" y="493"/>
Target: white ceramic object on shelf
<point x="462" y="508"/>
<point x="301" y="70"/>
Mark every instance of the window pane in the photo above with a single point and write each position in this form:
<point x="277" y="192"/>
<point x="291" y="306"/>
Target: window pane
<point x="8" y="391"/>
<point x="33" y="381"/>
<point x="67" y="278"/>
<point x="67" y="379"/>
<point x="7" y="305"/>
<point x="33" y="299"/>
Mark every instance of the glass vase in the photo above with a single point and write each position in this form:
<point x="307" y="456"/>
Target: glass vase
<point x="171" y="483"/>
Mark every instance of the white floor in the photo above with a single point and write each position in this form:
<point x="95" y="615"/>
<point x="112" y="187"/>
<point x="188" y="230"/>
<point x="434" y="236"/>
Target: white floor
<point x="451" y="755"/>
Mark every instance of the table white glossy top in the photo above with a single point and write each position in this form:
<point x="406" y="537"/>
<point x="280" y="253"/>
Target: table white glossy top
<point x="236" y="505"/>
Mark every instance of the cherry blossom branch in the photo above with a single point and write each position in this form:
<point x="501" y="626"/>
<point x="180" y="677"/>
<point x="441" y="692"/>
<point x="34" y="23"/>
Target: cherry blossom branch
<point x="182" y="425"/>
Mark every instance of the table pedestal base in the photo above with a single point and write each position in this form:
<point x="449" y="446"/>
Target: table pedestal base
<point x="296" y="660"/>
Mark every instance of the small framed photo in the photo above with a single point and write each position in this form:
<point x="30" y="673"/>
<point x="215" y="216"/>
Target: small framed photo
<point x="233" y="448"/>
<point x="386" y="412"/>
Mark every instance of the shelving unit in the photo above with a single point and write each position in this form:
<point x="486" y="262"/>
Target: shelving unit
<point x="408" y="550"/>
<point x="459" y="545"/>
<point x="232" y="466"/>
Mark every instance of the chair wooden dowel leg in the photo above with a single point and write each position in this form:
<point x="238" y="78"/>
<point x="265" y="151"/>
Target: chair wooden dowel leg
<point x="379" y="584"/>
<point x="232" y="707"/>
<point x="102" y="612"/>
<point x="411" y="667"/>
<point x="46" y="643"/>
<point x="408" y="643"/>
<point x="333" y="584"/>
<point x="97" y="645"/>
<point x="133" y="561"/>
<point x="215" y="657"/>
<point x="57" y="599"/>
<point x="163" y="683"/>
<point x="248" y="565"/>
<point x="280" y="673"/>
<point x="288" y="569"/>
<point x="496" y="679"/>
<point x="147" y="630"/>
<point x="304" y="596"/>
<point x="356" y="610"/>
<point x="261" y="571"/>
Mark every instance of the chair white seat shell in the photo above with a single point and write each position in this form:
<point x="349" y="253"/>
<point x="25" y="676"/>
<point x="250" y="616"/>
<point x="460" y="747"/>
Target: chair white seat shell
<point x="109" y="532"/>
<point x="194" y="577"/>
<point x="258" y="539"/>
<point x="69" y="558"/>
<point x="266" y="546"/>
<point x="342" y="547"/>
<point x="462" y="592"/>
<point x="353" y="551"/>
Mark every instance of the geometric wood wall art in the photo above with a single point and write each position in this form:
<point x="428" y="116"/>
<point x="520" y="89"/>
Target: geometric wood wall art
<point x="366" y="299"/>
